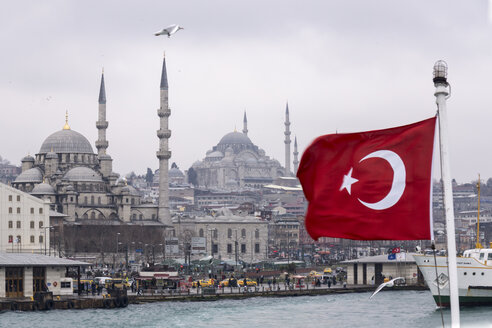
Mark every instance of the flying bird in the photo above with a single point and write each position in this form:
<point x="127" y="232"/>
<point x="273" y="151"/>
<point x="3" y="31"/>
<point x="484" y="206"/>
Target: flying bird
<point x="170" y="30"/>
<point x="390" y="283"/>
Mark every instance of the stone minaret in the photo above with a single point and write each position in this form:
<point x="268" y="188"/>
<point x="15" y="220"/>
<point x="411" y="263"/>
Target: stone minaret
<point x="245" y="124"/>
<point x="105" y="161"/>
<point x="102" y="124"/>
<point x="296" y="160"/>
<point x="287" y="141"/>
<point x="163" y="154"/>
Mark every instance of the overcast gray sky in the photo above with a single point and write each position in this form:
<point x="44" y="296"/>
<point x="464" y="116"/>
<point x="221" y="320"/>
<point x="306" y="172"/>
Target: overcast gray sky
<point x="342" y="65"/>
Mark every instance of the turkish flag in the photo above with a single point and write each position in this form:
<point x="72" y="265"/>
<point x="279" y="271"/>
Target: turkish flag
<point x="373" y="185"/>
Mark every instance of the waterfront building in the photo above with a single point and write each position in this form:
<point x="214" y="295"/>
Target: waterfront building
<point x="226" y="236"/>
<point x="372" y="270"/>
<point x="284" y="236"/>
<point x="22" y="275"/>
<point x="25" y="221"/>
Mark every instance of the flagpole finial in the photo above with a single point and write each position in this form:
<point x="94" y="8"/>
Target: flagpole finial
<point x="440" y="72"/>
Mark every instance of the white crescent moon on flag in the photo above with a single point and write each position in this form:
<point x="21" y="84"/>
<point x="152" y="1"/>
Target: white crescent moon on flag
<point x="399" y="179"/>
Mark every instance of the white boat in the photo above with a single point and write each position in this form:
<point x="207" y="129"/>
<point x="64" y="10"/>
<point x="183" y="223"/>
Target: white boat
<point x="474" y="276"/>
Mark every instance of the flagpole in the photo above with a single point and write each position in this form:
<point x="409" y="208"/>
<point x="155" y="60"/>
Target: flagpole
<point x="441" y="84"/>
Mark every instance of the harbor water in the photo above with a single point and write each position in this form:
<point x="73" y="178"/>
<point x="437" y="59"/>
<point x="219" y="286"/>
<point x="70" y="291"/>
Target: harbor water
<point x="387" y="309"/>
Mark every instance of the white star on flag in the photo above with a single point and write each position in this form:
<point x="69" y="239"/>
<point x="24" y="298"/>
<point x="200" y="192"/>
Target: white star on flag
<point x="348" y="181"/>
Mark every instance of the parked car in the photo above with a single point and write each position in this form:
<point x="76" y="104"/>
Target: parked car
<point x="203" y="283"/>
<point x="118" y="283"/>
<point x="225" y="283"/>
<point x="249" y="282"/>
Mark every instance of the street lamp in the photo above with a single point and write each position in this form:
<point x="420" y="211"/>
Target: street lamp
<point x="45" y="239"/>
<point x="117" y="236"/>
<point x="115" y="257"/>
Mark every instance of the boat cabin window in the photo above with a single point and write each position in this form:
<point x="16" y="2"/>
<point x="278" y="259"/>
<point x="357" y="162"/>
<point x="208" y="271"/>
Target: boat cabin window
<point x="481" y="256"/>
<point x="489" y="256"/>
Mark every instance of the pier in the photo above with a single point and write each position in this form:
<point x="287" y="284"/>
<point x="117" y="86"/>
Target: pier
<point x="191" y="295"/>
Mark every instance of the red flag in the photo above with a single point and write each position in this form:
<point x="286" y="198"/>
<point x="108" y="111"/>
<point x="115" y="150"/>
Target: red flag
<point x="373" y="185"/>
<point x="396" y="250"/>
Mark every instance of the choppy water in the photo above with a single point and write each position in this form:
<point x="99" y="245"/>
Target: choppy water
<point x="388" y="309"/>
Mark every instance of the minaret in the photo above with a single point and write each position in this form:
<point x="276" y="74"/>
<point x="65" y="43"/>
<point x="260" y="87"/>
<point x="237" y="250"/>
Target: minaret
<point x="102" y="124"/>
<point x="287" y="141"/>
<point x="105" y="161"/>
<point x="163" y="154"/>
<point x="296" y="161"/>
<point x="245" y="124"/>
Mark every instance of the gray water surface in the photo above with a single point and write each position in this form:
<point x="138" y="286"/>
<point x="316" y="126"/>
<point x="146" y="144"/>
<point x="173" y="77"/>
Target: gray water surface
<point x="399" y="309"/>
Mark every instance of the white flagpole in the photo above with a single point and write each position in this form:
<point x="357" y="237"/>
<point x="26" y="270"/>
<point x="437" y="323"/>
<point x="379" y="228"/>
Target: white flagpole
<point x="441" y="84"/>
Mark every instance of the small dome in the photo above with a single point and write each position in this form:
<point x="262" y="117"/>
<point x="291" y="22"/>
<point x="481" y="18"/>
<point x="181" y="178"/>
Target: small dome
<point x="66" y="141"/>
<point x="82" y="173"/>
<point x="235" y="138"/>
<point x="28" y="158"/>
<point x="31" y="175"/>
<point x="43" y="189"/>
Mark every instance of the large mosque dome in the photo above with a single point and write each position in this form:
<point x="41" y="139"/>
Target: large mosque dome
<point x="66" y="141"/>
<point x="234" y="138"/>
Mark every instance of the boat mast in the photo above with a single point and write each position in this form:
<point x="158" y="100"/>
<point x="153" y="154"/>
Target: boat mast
<point x="441" y="84"/>
<point x="478" y="245"/>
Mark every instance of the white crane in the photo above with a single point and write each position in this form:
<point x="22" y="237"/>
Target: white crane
<point x="170" y="30"/>
<point x="390" y="283"/>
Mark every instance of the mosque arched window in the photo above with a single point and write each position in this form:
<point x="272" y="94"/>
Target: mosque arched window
<point x="141" y="217"/>
<point x="93" y="215"/>
<point x="243" y="233"/>
<point x="134" y="217"/>
<point x="85" y="216"/>
<point x="92" y="200"/>
<point x="99" y="200"/>
<point x="200" y="233"/>
<point x="229" y="233"/>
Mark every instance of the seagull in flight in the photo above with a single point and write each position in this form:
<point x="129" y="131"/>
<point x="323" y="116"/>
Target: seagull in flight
<point x="170" y="30"/>
<point x="390" y="283"/>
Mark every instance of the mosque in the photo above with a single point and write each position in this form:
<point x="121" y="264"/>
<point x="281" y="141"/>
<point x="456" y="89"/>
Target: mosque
<point x="81" y="184"/>
<point x="236" y="163"/>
